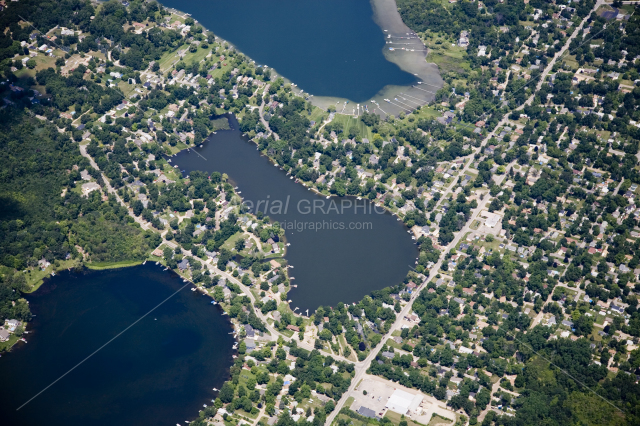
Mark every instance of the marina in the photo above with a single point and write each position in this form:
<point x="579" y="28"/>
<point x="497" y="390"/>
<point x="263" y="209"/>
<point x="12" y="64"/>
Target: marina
<point x="326" y="70"/>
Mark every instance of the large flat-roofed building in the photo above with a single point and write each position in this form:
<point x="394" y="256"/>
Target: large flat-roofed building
<point x="492" y="219"/>
<point x="402" y="402"/>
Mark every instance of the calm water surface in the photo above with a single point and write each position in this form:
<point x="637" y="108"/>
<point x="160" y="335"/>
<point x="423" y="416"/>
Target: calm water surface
<point x="159" y="372"/>
<point x="329" y="47"/>
<point x="329" y="265"/>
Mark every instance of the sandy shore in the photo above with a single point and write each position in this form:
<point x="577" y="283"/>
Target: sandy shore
<point x="404" y="48"/>
<point x="409" y="53"/>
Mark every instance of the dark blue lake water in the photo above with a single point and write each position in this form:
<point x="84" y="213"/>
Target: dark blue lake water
<point x="329" y="47"/>
<point x="341" y="248"/>
<point x="159" y="372"/>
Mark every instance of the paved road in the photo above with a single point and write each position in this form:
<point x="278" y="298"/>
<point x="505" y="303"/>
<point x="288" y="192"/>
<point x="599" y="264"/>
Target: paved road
<point x="361" y="367"/>
<point x="261" y="113"/>
<point x="110" y="190"/>
<point x="562" y="51"/>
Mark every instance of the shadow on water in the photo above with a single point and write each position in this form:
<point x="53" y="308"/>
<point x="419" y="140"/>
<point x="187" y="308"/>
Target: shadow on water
<point x="160" y="371"/>
<point x="353" y="248"/>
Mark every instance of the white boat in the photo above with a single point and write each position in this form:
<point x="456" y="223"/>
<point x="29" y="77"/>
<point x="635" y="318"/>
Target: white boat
<point x="193" y="289"/>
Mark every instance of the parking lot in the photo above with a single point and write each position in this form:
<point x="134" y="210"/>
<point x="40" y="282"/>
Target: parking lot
<point x="379" y="392"/>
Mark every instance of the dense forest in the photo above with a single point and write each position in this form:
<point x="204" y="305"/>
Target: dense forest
<point x="40" y="221"/>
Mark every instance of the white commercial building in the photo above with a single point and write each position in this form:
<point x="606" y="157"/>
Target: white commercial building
<point x="492" y="219"/>
<point x="402" y="402"/>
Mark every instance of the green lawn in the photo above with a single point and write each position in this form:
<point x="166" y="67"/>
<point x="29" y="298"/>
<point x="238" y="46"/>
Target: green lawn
<point x="36" y="275"/>
<point x="113" y="265"/>
<point x="349" y="123"/>
<point x="396" y="418"/>
<point x="317" y="115"/>
<point x="437" y="420"/>
<point x="354" y="422"/>
<point x="445" y="56"/>
<point x="393" y="344"/>
<point x="231" y="242"/>
<point x="426" y="112"/>
<point x="169" y="58"/>
<point x="5" y="346"/>
<point x="196" y="56"/>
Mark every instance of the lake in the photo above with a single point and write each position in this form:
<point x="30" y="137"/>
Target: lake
<point x="332" y="49"/>
<point x="160" y="371"/>
<point x="354" y="246"/>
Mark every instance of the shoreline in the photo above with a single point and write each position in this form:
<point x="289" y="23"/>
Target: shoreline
<point x="386" y="17"/>
<point x="315" y="190"/>
<point x="98" y="266"/>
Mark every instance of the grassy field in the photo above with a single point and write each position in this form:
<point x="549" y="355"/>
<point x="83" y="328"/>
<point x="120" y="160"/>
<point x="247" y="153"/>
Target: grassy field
<point x="231" y="242"/>
<point x="5" y="346"/>
<point x="425" y="112"/>
<point x="169" y="58"/>
<point x="445" y="56"/>
<point x="317" y="115"/>
<point x="36" y="276"/>
<point x="196" y="57"/>
<point x="437" y="420"/>
<point x="113" y="265"/>
<point x="396" y="418"/>
<point x="349" y="123"/>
